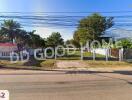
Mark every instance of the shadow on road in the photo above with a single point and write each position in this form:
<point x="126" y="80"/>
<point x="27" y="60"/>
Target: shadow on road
<point x="92" y="72"/>
<point x="103" y="74"/>
<point x="59" y="72"/>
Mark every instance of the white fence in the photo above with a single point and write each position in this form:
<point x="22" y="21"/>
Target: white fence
<point x="100" y="51"/>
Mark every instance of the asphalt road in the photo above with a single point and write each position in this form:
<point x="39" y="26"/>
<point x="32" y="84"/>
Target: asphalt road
<point x="82" y="85"/>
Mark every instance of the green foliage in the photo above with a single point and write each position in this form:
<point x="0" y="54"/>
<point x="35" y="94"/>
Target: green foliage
<point x="11" y="25"/>
<point x="36" y="40"/>
<point x="124" y="43"/>
<point x="92" y="27"/>
<point x="55" y="39"/>
<point x="11" y="31"/>
<point x="50" y="64"/>
<point x="9" y="28"/>
<point x="73" y="42"/>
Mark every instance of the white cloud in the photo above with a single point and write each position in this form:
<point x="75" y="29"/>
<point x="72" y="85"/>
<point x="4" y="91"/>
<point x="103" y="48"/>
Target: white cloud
<point x="40" y="6"/>
<point x="45" y="32"/>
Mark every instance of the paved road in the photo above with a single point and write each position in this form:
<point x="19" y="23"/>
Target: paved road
<point x="67" y="85"/>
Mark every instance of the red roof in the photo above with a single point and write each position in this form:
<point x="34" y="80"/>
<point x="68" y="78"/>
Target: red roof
<point x="8" y="44"/>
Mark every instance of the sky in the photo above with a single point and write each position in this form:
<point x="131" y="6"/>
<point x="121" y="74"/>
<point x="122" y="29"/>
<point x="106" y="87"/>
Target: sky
<point x="35" y="6"/>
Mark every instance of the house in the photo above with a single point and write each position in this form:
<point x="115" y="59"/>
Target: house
<point x="118" y="33"/>
<point x="6" y="49"/>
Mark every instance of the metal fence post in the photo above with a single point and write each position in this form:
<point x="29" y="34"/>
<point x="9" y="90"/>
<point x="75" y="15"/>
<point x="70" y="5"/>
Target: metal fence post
<point x="94" y="55"/>
<point x="81" y="53"/>
<point x="55" y="53"/>
<point x="106" y="53"/>
<point x="121" y="58"/>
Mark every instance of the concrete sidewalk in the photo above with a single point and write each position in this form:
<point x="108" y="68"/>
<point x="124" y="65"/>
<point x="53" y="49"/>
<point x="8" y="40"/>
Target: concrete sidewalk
<point x="61" y="70"/>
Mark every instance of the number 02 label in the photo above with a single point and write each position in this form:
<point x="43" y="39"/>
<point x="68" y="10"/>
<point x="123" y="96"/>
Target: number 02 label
<point x="4" y="95"/>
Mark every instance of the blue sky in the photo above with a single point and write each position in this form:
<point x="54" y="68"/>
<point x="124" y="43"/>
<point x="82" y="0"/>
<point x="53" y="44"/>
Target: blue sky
<point x="64" y="6"/>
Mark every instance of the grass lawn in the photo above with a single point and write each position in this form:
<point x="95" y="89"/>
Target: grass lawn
<point x="51" y="63"/>
<point x="77" y="56"/>
<point x="107" y="64"/>
<point x="35" y="65"/>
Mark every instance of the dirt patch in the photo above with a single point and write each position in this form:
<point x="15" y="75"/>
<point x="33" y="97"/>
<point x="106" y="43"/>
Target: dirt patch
<point x="70" y="64"/>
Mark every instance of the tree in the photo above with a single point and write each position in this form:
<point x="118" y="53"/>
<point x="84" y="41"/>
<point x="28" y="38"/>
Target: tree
<point x="3" y="37"/>
<point x="124" y="43"/>
<point x="55" y="39"/>
<point x="11" y="31"/>
<point x="92" y="27"/>
<point x="36" y="41"/>
<point x="9" y="27"/>
<point x="73" y="42"/>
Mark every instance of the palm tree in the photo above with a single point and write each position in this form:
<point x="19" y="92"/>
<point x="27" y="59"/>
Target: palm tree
<point x="10" y="27"/>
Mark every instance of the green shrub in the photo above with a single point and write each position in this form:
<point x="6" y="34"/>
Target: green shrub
<point x="48" y="64"/>
<point x="124" y="43"/>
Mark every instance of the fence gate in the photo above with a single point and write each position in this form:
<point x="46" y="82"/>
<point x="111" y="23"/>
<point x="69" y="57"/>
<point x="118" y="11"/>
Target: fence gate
<point x="127" y="55"/>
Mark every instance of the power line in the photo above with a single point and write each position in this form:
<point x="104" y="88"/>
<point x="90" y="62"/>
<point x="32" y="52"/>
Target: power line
<point x="61" y="20"/>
